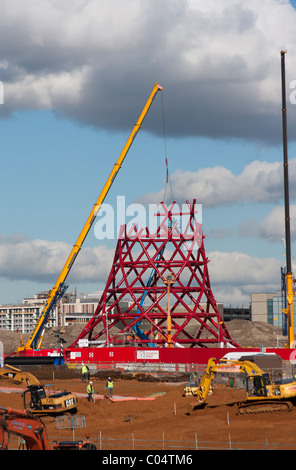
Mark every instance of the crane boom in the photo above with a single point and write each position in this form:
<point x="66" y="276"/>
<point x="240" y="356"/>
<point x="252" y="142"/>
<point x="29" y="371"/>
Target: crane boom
<point x="22" y="424"/>
<point x="59" y="288"/>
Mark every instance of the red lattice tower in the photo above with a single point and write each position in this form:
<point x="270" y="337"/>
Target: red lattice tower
<point x="158" y="291"/>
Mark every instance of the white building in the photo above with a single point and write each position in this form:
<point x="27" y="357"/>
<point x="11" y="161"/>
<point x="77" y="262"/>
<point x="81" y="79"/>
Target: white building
<point x="24" y="317"/>
<point x="267" y="307"/>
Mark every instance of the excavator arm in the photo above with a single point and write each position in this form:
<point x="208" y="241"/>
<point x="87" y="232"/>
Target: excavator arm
<point x="206" y="381"/>
<point x="22" y="424"/>
<point x="59" y="288"/>
<point x="17" y="375"/>
<point x="247" y="367"/>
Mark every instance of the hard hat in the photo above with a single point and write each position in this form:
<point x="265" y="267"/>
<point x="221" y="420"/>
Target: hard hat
<point x="90" y="382"/>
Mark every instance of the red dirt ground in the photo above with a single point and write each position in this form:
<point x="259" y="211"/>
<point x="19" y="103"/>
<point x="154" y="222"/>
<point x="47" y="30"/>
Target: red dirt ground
<point x="166" y="417"/>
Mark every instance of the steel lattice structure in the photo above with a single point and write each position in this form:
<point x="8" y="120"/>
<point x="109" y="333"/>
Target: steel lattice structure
<point x="158" y="292"/>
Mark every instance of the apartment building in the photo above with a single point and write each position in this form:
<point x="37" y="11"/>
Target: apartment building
<point x="71" y="309"/>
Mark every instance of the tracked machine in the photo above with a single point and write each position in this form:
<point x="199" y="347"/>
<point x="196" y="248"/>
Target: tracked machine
<point x="32" y="430"/>
<point x="37" y="401"/>
<point x="263" y="395"/>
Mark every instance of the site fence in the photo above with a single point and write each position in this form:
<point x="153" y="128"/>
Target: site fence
<point x="170" y="369"/>
<point x="132" y="443"/>
<point x="142" y="367"/>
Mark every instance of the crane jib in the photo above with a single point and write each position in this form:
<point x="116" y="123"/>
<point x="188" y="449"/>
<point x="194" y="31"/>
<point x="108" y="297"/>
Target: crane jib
<point x="67" y="267"/>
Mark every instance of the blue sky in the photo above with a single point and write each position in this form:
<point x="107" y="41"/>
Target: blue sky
<point x="75" y="81"/>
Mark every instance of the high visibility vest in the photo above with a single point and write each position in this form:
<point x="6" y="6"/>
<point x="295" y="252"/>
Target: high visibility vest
<point x="84" y="369"/>
<point x="89" y="389"/>
<point x="110" y="384"/>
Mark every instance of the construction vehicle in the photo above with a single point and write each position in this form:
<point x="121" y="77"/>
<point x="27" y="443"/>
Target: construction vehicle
<point x="33" y="431"/>
<point x="56" y="293"/>
<point x="263" y="395"/>
<point x="268" y="361"/>
<point x="191" y="387"/>
<point x="18" y="376"/>
<point x="37" y="401"/>
<point x="74" y="445"/>
<point x="21" y="423"/>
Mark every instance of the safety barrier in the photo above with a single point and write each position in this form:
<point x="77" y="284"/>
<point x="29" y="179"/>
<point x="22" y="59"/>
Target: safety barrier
<point x="169" y="370"/>
<point x="70" y="422"/>
<point x="163" y="444"/>
<point x="133" y="443"/>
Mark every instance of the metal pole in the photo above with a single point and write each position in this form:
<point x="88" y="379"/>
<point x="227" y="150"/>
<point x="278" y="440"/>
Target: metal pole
<point x="285" y="158"/>
<point x="169" y="281"/>
<point x="289" y="310"/>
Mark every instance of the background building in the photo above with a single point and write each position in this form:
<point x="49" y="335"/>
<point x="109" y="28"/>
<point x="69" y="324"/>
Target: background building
<point x="268" y="306"/>
<point x="71" y="309"/>
<point x="265" y="307"/>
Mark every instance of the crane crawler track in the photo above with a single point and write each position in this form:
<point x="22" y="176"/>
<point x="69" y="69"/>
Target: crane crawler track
<point x="271" y="406"/>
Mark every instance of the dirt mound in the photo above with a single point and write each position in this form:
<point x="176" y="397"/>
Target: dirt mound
<point x="255" y="334"/>
<point x="243" y="332"/>
<point x="12" y="340"/>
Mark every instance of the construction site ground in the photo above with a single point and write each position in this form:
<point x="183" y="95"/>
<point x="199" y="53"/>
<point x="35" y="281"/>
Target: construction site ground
<point x="160" y="418"/>
<point x="161" y="414"/>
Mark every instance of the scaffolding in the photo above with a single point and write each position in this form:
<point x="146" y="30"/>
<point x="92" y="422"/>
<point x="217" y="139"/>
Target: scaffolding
<point x="158" y="292"/>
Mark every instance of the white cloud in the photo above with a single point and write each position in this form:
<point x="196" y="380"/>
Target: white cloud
<point x="271" y="227"/>
<point x="42" y="261"/>
<point x="94" y="61"/>
<point x="233" y="275"/>
<point x="260" y="181"/>
<point x="242" y="269"/>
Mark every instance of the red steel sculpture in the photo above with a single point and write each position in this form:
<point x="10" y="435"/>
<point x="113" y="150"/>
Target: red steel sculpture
<point x="158" y="292"/>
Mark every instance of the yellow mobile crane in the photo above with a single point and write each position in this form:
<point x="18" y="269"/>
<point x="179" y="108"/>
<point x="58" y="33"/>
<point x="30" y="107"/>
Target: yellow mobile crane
<point x="263" y="395"/>
<point x="59" y="288"/>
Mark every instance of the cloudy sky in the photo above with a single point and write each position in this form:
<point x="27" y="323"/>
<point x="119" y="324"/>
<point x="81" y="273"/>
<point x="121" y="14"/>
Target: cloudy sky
<point x="76" y="76"/>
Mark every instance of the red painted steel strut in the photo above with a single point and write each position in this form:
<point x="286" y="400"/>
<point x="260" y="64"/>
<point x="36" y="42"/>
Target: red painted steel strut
<point x="133" y="306"/>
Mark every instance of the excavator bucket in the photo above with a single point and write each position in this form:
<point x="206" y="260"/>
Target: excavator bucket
<point x="192" y="406"/>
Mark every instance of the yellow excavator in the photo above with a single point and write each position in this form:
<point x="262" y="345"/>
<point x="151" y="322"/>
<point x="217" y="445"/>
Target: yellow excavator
<point x="36" y="399"/>
<point x="263" y="395"/>
<point x="18" y="376"/>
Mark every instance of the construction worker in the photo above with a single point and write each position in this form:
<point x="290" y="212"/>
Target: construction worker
<point x="90" y="391"/>
<point x="84" y="372"/>
<point x="22" y="444"/>
<point x="109" y="387"/>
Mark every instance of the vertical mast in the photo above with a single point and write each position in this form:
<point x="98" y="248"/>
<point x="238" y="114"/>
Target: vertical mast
<point x="289" y="279"/>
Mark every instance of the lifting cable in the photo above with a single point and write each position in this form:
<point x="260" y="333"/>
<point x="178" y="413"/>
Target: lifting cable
<point x="167" y="178"/>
